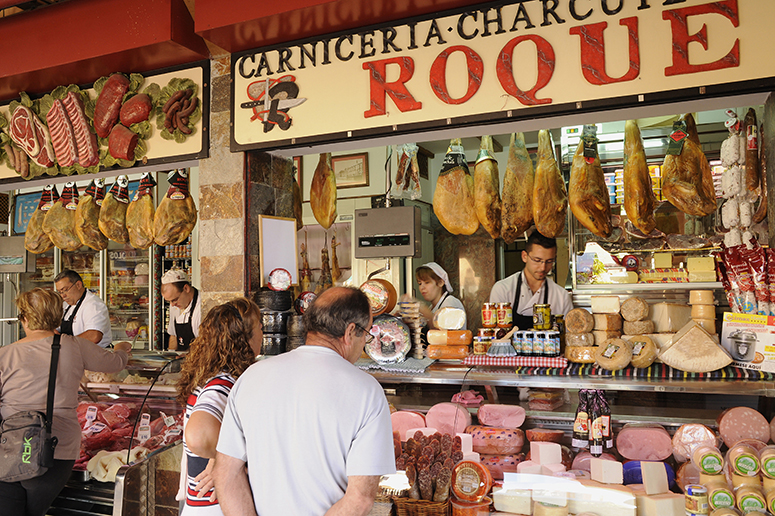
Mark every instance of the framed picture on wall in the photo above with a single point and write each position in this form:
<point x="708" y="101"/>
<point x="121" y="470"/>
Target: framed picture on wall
<point x="351" y="170"/>
<point x="297" y="164"/>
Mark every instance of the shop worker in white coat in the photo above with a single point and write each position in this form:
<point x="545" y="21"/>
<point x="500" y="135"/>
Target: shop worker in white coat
<point x="435" y="288"/>
<point x="185" y="309"/>
<point x="85" y="314"/>
<point x="532" y="286"/>
<point x="313" y="430"/>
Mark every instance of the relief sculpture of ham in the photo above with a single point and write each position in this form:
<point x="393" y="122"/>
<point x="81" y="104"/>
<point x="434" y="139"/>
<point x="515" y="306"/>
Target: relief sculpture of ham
<point x="550" y="198"/>
<point x="639" y="200"/>
<point x="517" y="196"/>
<point x="587" y="191"/>
<point x="453" y="199"/>
<point x="687" y="180"/>
<point x="487" y="199"/>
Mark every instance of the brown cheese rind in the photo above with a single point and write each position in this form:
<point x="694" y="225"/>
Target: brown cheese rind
<point x="638" y="327"/>
<point x="644" y="351"/>
<point x="579" y="320"/>
<point x="614" y="354"/>
<point x="579" y="339"/>
<point x="608" y="322"/>
<point x="635" y="309"/>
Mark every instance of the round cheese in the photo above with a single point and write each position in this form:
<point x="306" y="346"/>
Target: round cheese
<point x="701" y="297"/>
<point x="767" y="461"/>
<point x="644" y="351"/>
<point x="768" y="484"/>
<point x="449" y="318"/>
<point x="545" y="509"/>
<point x="703" y="312"/>
<point x="720" y="495"/>
<point x="724" y="511"/>
<point x="709" y="325"/>
<point x="771" y="501"/>
<point x="635" y="309"/>
<point x="750" y="499"/>
<point x="744" y="460"/>
<point x="739" y="481"/>
<point x="471" y="481"/>
<point x="580" y="354"/>
<point x="579" y="339"/>
<point x="708" y="459"/>
<point x="613" y="354"/>
<point x="579" y="320"/>
<point x="638" y="327"/>
<point x="706" y="479"/>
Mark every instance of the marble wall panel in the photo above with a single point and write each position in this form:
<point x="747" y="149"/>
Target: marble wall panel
<point x="221" y="201"/>
<point x="222" y="273"/>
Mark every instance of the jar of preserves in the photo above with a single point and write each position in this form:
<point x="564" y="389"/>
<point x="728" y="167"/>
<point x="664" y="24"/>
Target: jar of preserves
<point x="542" y="317"/>
<point x="504" y="315"/>
<point x="489" y="315"/>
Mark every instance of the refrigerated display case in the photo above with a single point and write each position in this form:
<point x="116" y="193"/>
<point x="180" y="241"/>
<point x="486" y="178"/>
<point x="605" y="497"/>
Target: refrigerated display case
<point x="86" y="262"/>
<point x="128" y="290"/>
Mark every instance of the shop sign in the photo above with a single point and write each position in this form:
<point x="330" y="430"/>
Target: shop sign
<point x="502" y="61"/>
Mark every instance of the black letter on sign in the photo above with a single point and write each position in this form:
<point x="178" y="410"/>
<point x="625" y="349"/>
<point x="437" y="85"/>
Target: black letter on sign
<point x="338" y="48"/>
<point x="242" y="72"/>
<point x="522" y="16"/>
<point x="611" y="12"/>
<point x="279" y="116"/>
<point x="576" y="16"/>
<point x="434" y="32"/>
<point x="285" y="55"/>
<point x="388" y="35"/>
<point x="644" y="4"/>
<point x="549" y="8"/>
<point x="263" y="64"/>
<point x="497" y="20"/>
<point x="461" y="33"/>
<point x="367" y="43"/>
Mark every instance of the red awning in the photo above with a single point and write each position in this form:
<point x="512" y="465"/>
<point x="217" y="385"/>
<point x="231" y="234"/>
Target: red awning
<point x="239" y="25"/>
<point x="79" y="41"/>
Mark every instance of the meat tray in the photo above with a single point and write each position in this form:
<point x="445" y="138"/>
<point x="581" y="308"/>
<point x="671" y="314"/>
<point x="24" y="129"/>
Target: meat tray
<point x="392" y="340"/>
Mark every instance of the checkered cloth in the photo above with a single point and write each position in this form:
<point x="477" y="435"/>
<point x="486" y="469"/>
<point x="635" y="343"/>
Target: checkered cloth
<point x="656" y="371"/>
<point x="484" y="360"/>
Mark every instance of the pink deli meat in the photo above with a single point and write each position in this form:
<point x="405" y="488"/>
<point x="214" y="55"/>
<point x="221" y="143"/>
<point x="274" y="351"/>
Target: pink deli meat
<point x="644" y="442"/>
<point x="740" y="423"/>
<point x="498" y="464"/>
<point x="448" y="418"/>
<point x="404" y="420"/>
<point x="689" y="437"/>
<point x="506" y="416"/>
<point x="582" y="460"/>
<point x="496" y="441"/>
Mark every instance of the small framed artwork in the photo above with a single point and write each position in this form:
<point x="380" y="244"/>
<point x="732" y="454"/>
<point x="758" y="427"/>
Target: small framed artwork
<point x="351" y="170"/>
<point x="297" y="164"/>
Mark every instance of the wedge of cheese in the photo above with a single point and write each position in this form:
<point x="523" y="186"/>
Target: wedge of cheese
<point x="669" y="317"/>
<point x="605" y="304"/>
<point x="694" y="350"/>
<point x="602" y="499"/>
<point x="608" y="322"/>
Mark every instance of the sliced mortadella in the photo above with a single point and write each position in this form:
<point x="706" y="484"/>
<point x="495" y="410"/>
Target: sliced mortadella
<point x="506" y="416"/>
<point x="448" y="418"/>
<point x="404" y="420"/>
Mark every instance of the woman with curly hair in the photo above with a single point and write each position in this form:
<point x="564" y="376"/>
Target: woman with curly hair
<point x="229" y="340"/>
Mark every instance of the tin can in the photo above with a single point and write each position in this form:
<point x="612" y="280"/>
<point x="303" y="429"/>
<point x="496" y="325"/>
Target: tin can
<point x="481" y="345"/>
<point x="527" y="343"/>
<point x="696" y="499"/>
<point x="542" y="317"/>
<point x="489" y="315"/>
<point x="504" y="315"/>
<point x="539" y="343"/>
<point x="487" y="333"/>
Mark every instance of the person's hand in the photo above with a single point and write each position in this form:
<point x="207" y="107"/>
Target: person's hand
<point x="407" y="298"/>
<point x="124" y="346"/>
<point x="206" y="482"/>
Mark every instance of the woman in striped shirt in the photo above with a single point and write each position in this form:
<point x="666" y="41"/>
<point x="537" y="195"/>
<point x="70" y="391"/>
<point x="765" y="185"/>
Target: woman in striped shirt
<point x="229" y="340"/>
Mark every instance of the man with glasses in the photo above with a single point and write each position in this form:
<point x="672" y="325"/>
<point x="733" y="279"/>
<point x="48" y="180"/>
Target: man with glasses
<point x="85" y="315"/>
<point x="532" y="286"/>
<point x="313" y="430"/>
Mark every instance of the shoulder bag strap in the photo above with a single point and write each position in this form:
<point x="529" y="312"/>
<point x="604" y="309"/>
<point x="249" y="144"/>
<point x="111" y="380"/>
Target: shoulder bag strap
<point x="52" y="381"/>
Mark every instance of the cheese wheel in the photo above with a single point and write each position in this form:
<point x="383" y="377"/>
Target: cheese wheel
<point x="605" y="304"/>
<point x="703" y="312"/>
<point x="635" y="309"/>
<point x="708" y="459"/>
<point x="580" y="354"/>
<point x="614" y="354"/>
<point x="545" y="509"/>
<point x="706" y="479"/>
<point x="750" y="499"/>
<point x="744" y="460"/>
<point x="579" y="320"/>
<point x="446" y="352"/>
<point x="719" y="495"/>
<point x="602" y="336"/>
<point x="638" y="327"/>
<point x="767" y="461"/>
<point x="471" y="481"/>
<point x="701" y="297"/>
<point x="768" y="484"/>
<point x="644" y="351"/>
<point x="770" y="496"/>
<point x="444" y="337"/>
<point x="724" y="511"/>
<point x="709" y="325"/>
<point x="608" y="322"/>
<point x="739" y="481"/>
<point x="579" y="339"/>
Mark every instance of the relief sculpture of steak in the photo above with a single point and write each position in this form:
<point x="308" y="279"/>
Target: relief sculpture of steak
<point x="22" y="131"/>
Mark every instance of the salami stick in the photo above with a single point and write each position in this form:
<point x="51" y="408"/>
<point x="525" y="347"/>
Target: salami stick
<point x="11" y="155"/>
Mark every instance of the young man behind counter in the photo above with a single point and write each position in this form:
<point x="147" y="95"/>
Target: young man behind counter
<point x="532" y="286"/>
<point x="185" y="309"/>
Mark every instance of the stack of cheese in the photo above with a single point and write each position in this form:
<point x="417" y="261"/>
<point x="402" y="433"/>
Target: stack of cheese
<point x="579" y="339"/>
<point x="668" y="318"/>
<point x="703" y="309"/>
<point x="701" y="269"/>
<point x="637" y="328"/>
<point x="612" y="353"/>
<point x="448" y="344"/>
<point x="545" y="459"/>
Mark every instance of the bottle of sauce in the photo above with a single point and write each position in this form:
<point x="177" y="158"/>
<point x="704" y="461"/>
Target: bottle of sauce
<point x="581" y="423"/>
<point x="596" y="442"/>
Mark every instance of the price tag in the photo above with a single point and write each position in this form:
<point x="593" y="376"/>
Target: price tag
<point x="145" y="419"/>
<point x="95" y="429"/>
<point x="174" y="432"/>
<point x="144" y="433"/>
<point x="168" y="420"/>
<point x="91" y="415"/>
<point x="677" y="137"/>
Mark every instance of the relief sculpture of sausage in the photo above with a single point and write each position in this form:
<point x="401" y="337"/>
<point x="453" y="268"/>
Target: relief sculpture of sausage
<point x="108" y="106"/>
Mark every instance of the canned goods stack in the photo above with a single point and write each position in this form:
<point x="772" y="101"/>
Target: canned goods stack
<point x="532" y="343"/>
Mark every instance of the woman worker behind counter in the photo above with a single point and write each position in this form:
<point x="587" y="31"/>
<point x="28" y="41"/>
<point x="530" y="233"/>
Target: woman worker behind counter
<point x="436" y="289"/>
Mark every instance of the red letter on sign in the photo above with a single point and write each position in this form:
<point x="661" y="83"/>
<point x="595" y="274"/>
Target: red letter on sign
<point x="681" y="37"/>
<point x="475" y="68"/>
<point x="505" y="69"/>
<point x="397" y="91"/>
<point x="593" y="51"/>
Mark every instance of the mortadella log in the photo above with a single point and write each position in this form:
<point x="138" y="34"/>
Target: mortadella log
<point x="687" y="180"/>
<point x="322" y="197"/>
<point x="487" y="199"/>
<point x="517" y="198"/>
<point x="453" y="199"/>
<point x="639" y="200"/>
<point x="550" y="198"/>
<point x="587" y="193"/>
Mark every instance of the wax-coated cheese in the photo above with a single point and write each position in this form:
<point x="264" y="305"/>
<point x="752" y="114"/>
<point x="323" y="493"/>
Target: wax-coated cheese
<point x="545" y="453"/>
<point x="552" y="469"/>
<point x="528" y="466"/>
<point x="605" y="304"/>
<point x="447" y="352"/>
<point x="614" y="354"/>
<point x="667" y="504"/>
<point x="709" y="325"/>
<point x="768" y="484"/>
<point x="750" y="499"/>
<point x="608" y="322"/>
<point x="703" y="312"/>
<point x="638" y="327"/>
<point x="693" y="350"/>
<point x="602" y="336"/>
<point x="654" y="477"/>
<point x="607" y="471"/>
<point x="635" y="309"/>
<point x="725" y="511"/>
<point x="739" y="481"/>
<point x="579" y="339"/>
<point x="580" y="354"/>
<point x="663" y="260"/>
<point x="767" y="461"/>
<point x="744" y="460"/>
<point x="708" y="459"/>
<point x="770" y="498"/>
<point x="543" y="509"/>
<point x="701" y="263"/>
<point x="706" y="479"/>
<point x="720" y="495"/>
<point x="602" y="500"/>
<point x="669" y="317"/>
<point x="516" y="501"/>
<point x="579" y="320"/>
<point x="644" y="351"/>
<point x="701" y="297"/>
<point x="702" y="276"/>
<point x="443" y="337"/>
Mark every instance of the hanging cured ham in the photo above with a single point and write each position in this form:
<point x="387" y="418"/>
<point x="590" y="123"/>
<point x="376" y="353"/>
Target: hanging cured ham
<point x="322" y="195"/>
<point x="587" y="193"/>
<point x="550" y="198"/>
<point x="113" y="211"/>
<point x="176" y="216"/>
<point x="87" y="216"/>
<point x="687" y="180"/>
<point x="296" y="192"/>
<point x="140" y="214"/>
<point x="35" y="239"/>
<point x="487" y="199"/>
<point x="453" y="199"/>
<point x="517" y="198"/>
<point x="59" y="223"/>
<point x="639" y="200"/>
